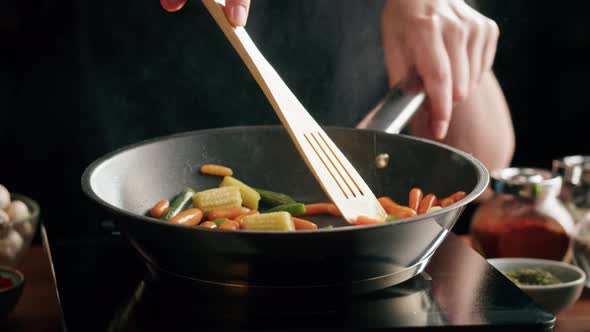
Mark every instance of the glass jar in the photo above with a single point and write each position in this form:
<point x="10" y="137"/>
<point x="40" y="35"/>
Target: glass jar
<point x="525" y="218"/>
<point x="575" y="193"/>
<point x="575" y="171"/>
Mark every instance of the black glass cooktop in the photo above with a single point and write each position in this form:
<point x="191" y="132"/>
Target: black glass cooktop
<point x="104" y="286"/>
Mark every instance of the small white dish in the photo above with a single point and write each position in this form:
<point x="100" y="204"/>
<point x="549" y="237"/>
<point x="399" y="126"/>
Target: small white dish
<point x="554" y="298"/>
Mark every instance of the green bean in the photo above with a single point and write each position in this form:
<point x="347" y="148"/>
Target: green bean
<point x="180" y="203"/>
<point x="294" y="209"/>
<point x="273" y="199"/>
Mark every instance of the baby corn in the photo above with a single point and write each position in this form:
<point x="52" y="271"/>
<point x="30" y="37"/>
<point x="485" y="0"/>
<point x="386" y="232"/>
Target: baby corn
<point x="218" y="198"/>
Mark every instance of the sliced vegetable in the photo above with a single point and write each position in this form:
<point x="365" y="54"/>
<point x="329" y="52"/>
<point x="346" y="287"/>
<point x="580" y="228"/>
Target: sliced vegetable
<point x="230" y="225"/>
<point x="273" y="199"/>
<point x="229" y="213"/>
<point x="302" y="224"/>
<point x="321" y="208"/>
<point x="218" y="198"/>
<point x="208" y="224"/>
<point x="189" y="217"/>
<point x="218" y="170"/>
<point x="276" y="221"/>
<point x="180" y="203"/>
<point x="159" y="208"/>
<point x="415" y="198"/>
<point x="295" y="209"/>
<point x="362" y="220"/>
<point x="219" y="221"/>
<point x="427" y="202"/>
<point x="250" y="197"/>
<point x="327" y="227"/>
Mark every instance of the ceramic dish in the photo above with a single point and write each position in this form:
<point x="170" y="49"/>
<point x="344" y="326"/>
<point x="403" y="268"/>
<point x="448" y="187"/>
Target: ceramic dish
<point x="555" y="297"/>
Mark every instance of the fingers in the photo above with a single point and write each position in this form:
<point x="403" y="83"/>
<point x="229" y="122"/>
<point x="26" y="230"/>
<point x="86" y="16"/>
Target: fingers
<point x="395" y="60"/>
<point x="394" y="50"/>
<point x="478" y="40"/>
<point x="455" y="37"/>
<point x="489" y="53"/>
<point x="236" y="11"/>
<point x="172" y="5"/>
<point x="433" y="66"/>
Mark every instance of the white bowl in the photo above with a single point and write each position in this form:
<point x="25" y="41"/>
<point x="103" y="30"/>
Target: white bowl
<point x="554" y="298"/>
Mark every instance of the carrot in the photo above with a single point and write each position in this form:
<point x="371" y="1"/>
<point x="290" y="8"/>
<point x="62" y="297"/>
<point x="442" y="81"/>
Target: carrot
<point x="459" y="195"/>
<point x="208" y="224"/>
<point x="188" y="217"/>
<point x="230" y="225"/>
<point x="388" y="204"/>
<point x="160" y="208"/>
<point x="427" y="202"/>
<point x="416" y="196"/>
<point x="454" y="198"/>
<point x="229" y="213"/>
<point x="320" y="208"/>
<point x="302" y="224"/>
<point x="218" y="170"/>
<point x="445" y="202"/>
<point x="362" y="220"/>
<point x="402" y="212"/>
<point x="240" y="218"/>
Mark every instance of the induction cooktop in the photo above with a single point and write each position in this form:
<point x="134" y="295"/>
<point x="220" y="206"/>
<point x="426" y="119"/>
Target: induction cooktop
<point x="103" y="285"/>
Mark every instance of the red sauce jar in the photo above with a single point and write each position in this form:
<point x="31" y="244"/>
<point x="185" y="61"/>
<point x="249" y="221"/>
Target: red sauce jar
<point x="525" y="218"/>
<point x="5" y="283"/>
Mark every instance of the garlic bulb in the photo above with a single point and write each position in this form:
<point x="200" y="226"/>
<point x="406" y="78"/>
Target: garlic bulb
<point x="17" y="210"/>
<point x="10" y="245"/>
<point x="4" y="217"/>
<point x="25" y="229"/>
<point x="4" y="197"/>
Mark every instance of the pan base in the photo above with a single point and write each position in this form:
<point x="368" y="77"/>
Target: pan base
<point x="234" y="289"/>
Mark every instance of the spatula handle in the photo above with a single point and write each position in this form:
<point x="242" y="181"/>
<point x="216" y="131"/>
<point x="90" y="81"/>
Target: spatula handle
<point x="284" y="102"/>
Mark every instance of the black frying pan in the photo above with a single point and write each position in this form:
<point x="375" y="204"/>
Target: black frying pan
<point x="127" y="182"/>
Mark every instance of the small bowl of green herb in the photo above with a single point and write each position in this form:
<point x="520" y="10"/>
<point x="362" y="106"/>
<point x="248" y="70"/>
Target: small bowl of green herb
<point x="552" y="284"/>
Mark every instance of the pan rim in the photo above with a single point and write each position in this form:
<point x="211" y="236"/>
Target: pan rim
<point x="92" y="168"/>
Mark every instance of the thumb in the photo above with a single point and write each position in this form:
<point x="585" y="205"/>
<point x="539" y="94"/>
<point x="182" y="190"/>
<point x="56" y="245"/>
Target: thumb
<point x="236" y="11"/>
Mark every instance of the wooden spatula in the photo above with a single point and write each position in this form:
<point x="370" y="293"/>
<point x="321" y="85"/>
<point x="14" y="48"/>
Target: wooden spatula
<point x="336" y="175"/>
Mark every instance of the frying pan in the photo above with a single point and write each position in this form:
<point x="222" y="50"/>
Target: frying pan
<point x="128" y="181"/>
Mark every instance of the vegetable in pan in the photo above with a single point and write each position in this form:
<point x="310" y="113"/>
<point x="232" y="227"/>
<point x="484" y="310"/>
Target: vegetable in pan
<point x="235" y="205"/>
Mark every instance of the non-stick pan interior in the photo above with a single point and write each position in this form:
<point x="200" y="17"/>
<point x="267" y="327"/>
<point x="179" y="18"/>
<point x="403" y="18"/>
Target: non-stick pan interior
<point x="128" y="182"/>
<point x="134" y="178"/>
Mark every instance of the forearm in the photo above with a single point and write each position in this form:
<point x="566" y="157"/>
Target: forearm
<point x="480" y="125"/>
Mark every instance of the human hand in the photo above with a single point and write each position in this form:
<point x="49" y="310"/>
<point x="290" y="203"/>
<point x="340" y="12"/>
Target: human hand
<point x="236" y="11"/>
<point x="447" y="42"/>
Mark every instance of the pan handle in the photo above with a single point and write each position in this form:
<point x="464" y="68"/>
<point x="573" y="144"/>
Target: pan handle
<point x="399" y="105"/>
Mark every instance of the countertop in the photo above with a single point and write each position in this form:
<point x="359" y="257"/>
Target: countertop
<point x="39" y="308"/>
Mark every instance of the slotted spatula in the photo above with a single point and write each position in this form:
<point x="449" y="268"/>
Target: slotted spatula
<point x="334" y="172"/>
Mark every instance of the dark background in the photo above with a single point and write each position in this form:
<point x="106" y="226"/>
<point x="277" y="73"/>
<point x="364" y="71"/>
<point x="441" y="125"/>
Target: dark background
<point x="81" y="78"/>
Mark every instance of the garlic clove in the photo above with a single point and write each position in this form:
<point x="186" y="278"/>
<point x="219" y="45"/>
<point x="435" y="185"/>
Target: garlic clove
<point x="4" y="197"/>
<point x="17" y="210"/>
<point x="4" y="217"/>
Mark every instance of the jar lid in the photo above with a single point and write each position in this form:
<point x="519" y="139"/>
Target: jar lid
<point x="533" y="183"/>
<point x="573" y="169"/>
